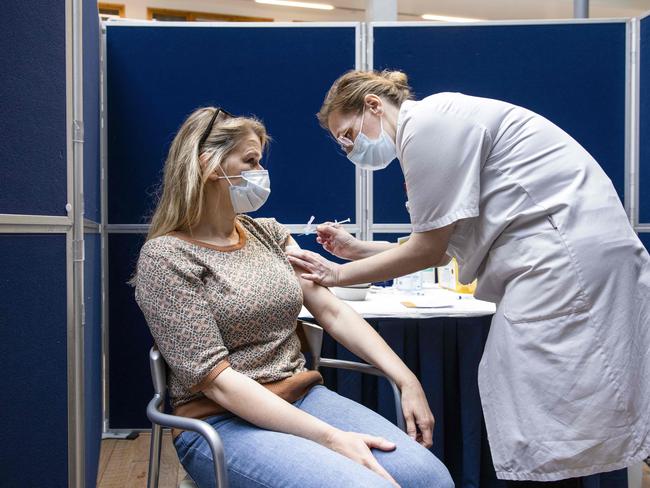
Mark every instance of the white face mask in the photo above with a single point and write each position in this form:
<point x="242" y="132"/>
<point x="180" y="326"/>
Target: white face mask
<point x="252" y="194"/>
<point x="371" y="154"/>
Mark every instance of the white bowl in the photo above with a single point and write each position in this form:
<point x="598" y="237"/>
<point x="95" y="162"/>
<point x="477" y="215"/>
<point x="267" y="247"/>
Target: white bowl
<point x="354" y="293"/>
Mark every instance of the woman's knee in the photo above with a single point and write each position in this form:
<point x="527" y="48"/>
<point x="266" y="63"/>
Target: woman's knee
<point x="417" y="467"/>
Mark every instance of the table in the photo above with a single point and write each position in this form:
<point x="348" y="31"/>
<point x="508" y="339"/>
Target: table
<point x="386" y="303"/>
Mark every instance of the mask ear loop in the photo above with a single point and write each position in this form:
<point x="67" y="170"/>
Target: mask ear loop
<point x="381" y="123"/>
<point x="363" y="115"/>
<point x="224" y="176"/>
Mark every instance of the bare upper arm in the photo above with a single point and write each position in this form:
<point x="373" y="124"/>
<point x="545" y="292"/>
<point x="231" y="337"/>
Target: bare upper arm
<point x="318" y="299"/>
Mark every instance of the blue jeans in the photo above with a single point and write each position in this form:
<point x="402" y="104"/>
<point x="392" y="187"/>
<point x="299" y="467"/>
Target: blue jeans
<point x="262" y="458"/>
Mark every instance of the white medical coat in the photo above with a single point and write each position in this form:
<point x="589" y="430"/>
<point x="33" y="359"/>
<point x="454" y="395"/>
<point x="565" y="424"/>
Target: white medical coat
<point x="565" y="375"/>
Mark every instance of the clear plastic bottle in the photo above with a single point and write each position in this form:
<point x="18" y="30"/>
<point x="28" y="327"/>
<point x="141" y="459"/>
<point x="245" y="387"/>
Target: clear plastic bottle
<point x="428" y="278"/>
<point x="411" y="283"/>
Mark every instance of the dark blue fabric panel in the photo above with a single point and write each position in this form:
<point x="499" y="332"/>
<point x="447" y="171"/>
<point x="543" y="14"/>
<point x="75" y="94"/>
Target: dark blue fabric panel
<point x="93" y="354"/>
<point x="33" y="175"/>
<point x="91" y="53"/>
<point x="614" y="479"/>
<point x="470" y="340"/>
<point x="573" y="75"/>
<point x="33" y="348"/>
<point x="644" y="123"/>
<point x="129" y="340"/>
<point x="158" y="75"/>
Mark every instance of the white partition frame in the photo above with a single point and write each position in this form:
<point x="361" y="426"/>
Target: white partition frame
<point x="631" y="175"/>
<point x="359" y="228"/>
<point x="365" y="227"/>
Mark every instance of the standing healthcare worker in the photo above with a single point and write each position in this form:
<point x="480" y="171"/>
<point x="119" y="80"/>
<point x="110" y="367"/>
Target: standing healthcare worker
<point x="565" y="376"/>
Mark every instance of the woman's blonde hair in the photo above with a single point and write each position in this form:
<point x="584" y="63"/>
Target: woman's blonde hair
<point x="181" y="194"/>
<point x="348" y="93"/>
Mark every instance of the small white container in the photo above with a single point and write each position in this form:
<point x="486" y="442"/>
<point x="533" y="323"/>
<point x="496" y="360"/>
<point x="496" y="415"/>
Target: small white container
<point x="353" y="293"/>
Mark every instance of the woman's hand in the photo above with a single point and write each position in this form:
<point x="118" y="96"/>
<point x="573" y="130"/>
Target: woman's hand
<point x="357" y="447"/>
<point x="319" y="269"/>
<point x="417" y="414"/>
<point x="336" y="240"/>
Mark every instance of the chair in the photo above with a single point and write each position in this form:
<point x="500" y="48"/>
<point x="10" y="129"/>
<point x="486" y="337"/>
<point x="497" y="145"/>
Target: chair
<point x="311" y="339"/>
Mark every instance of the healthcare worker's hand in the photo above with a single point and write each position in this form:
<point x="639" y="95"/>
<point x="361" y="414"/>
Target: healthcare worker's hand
<point x="336" y="240"/>
<point x="418" y="416"/>
<point x="356" y="446"/>
<point x="319" y="269"/>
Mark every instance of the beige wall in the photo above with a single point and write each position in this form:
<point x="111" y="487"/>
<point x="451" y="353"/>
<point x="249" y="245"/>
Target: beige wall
<point x="137" y="9"/>
<point x="353" y="10"/>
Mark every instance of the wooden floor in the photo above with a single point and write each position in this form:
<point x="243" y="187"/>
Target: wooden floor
<point x="124" y="463"/>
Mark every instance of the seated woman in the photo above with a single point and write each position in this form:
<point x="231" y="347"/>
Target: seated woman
<point x="222" y="302"/>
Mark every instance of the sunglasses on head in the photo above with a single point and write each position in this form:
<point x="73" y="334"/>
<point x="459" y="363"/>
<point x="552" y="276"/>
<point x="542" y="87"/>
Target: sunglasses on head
<point x="220" y="114"/>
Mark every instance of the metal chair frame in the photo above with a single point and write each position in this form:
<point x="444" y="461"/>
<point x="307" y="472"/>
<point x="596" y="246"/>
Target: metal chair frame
<point x="311" y="336"/>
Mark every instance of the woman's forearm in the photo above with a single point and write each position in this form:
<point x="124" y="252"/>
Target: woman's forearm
<point x="249" y="400"/>
<point x="357" y="335"/>
<point x="350" y="330"/>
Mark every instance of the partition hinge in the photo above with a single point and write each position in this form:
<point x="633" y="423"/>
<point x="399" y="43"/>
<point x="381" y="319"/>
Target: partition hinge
<point x="78" y="253"/>
<point x="77" y="131"/>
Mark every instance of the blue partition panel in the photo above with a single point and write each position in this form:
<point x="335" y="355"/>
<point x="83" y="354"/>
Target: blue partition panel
<point x="93" y="354"/>
<point x="644" y="123"/>
<point x="573" y="74"/>
<point x="33" y="173"/>
<point x="129" y="340"/>
<point x="33" y="348"/>
<point x="158" y="74"/>
<point x="91" y="110"/>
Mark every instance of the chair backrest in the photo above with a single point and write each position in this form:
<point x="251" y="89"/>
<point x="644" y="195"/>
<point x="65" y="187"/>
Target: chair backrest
<point x="311" y="340"/>
<point x="158" y="371"/>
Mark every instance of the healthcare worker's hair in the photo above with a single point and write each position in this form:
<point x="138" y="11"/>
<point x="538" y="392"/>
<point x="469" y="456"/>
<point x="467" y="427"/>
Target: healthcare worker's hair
<point x="180" y="201"/>
<point x="347" y="94"/>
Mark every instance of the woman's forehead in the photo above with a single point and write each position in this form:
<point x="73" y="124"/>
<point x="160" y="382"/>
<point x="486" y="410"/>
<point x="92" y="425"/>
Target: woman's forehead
<point x="338" y="121"/>
<point x="250" y="142"/>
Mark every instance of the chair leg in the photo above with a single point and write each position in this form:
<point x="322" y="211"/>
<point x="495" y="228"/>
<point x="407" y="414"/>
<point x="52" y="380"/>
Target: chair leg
<point x="154" y="456"/>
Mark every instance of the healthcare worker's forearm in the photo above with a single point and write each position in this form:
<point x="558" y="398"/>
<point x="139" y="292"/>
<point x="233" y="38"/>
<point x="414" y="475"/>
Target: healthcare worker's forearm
<point x="249" y="400"/>
<point x="365" y="249"/>
<point x="397" y="261"/>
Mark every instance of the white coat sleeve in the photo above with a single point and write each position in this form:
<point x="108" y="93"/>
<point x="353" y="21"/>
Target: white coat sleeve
<point x="442" y="157"/>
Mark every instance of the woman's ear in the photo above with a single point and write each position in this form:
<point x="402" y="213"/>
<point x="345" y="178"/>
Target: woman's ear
<point x="374" y="104"/>
<point x="204" y="160"/>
